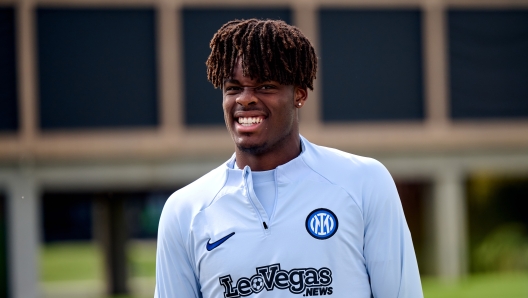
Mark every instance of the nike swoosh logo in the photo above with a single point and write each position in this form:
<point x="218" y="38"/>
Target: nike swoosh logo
<point x="210" y="246"/>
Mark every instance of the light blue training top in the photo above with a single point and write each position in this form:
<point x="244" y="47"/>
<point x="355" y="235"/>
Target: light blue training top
<point x="335" y="228"/>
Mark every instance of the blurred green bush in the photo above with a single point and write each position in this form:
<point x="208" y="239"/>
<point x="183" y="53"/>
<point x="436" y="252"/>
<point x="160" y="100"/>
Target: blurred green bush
<point x="505" y="249"/>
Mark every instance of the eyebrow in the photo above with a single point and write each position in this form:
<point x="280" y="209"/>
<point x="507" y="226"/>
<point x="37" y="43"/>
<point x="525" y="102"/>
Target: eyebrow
<point x="232" y="81"/>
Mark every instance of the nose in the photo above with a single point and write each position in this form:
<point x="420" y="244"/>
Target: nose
<point x="247" y="97"/>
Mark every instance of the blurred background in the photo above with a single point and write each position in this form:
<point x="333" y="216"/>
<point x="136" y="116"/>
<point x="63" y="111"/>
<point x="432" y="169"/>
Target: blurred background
<point x="105" y="110"/>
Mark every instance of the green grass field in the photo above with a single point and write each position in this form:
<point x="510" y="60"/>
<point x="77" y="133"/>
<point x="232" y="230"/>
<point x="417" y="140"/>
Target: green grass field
<point x="68" y="268"/>
<point x="492" y="285"/>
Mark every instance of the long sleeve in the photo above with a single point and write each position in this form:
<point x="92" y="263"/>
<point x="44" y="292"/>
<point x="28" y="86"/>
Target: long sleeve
<point x="388" y="250"/>
<point x="174" y="274"/>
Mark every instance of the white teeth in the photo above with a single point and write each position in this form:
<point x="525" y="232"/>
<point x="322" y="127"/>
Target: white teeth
<point x="247" y="121"/>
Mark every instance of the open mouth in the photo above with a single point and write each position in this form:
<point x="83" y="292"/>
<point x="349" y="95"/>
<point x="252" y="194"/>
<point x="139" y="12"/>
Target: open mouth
<point x="248" y="121"/>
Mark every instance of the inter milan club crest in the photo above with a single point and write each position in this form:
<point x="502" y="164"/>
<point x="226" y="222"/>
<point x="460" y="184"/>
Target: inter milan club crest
<point x="321" y="224"/>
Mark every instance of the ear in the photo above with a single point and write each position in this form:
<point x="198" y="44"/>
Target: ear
<point x="300" y="95"/>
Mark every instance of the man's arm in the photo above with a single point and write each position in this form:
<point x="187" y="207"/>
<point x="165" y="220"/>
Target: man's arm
<point x="389" y="253"/>
<point x="174" y="274"/>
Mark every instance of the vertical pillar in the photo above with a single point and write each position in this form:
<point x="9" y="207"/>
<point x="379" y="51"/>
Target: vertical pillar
<point x="450" y="223"/>
<point x="305" y="17"/>
<point x="3" y="246"/>
<point x="27" y="75"/>
<point x="435" y="60"/>
<point x="22" y="190"/>
<point x="111" y="232"/>
<point x="170" y="67"/>
<point x="23" y="235"/>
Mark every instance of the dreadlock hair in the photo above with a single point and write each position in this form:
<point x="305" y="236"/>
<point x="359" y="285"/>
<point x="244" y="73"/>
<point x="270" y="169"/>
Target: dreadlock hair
<point x="270" y="50"/>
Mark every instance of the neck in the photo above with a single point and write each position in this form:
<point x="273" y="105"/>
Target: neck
<point x="269" y="160"/>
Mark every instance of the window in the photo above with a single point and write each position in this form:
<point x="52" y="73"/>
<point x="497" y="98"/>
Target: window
<point x="371" y="65"/>
<point x="8" y="91"/>
<point x="97" y="68"/>
<point x="488" y="63"/>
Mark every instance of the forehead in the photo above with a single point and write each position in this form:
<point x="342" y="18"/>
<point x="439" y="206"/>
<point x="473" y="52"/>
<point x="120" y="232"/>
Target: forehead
<point x="237" y="76"/>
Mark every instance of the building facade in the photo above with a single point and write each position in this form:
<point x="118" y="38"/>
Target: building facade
<point x="98" y="95"/>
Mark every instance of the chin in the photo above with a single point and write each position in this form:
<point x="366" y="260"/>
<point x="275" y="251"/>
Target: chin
<point x="253" y="149"/>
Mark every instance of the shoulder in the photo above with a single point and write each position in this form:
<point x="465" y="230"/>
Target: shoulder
<point x="366" y="180"/>
<point x="343" y="168"/>
<point x="186" y="202"/>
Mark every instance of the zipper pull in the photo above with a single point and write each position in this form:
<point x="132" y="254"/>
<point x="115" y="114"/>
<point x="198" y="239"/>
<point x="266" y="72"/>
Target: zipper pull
<point x="265" y="225"/>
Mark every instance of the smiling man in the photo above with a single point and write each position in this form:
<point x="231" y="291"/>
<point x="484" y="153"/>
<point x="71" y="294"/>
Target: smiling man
<point x="262" y="119"/>
<point x="283" y="217"/>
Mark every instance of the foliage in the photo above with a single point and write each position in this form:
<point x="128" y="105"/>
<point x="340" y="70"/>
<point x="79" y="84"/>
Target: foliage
<point x="504" y="249"/>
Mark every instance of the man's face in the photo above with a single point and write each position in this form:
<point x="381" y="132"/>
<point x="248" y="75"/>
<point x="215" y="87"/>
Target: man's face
<point x="261" y="117"/>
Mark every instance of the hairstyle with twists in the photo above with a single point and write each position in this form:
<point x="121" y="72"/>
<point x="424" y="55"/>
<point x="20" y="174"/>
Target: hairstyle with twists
<point x="270" y="50"/>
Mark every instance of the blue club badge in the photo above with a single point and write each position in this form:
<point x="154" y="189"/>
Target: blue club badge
<point x="321" y="224"/>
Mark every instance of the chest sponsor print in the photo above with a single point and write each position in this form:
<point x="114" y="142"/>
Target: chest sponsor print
<point x="306" y="281"/>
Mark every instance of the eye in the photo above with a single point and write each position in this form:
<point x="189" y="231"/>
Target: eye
<point x="232" y="89"/>
<point x="266" y="88"/>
